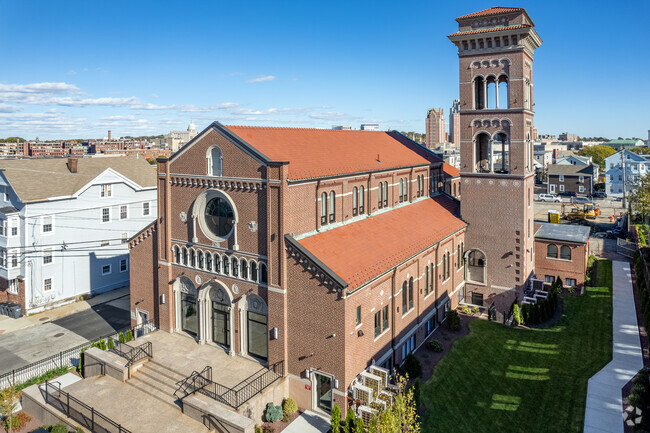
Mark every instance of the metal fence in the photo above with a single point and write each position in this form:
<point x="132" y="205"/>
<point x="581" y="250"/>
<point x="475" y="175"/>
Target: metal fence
<point x="240" y="393"/>
<point x="66" y="358"/>
<point x="79" y="411"/>
<point x="625" y="248"/>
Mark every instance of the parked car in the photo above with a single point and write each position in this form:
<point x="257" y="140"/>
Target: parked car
<point x="568" y="194"/>
<point x="599" y="194"/>
<point x="580" y="200"/>
<point x="549" y="197"/>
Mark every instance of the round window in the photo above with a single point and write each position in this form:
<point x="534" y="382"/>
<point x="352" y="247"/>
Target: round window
<point x="219" y="217"/>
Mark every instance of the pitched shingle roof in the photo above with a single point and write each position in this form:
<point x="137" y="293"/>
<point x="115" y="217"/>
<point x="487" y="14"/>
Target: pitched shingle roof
<point x="491" y="11"/>
<point x="39" y="179"/>
<point x="363" y="250"/>
<point x="450" y="171"/>
<point x="315" y="153"/>
<point x="569" y="169"/>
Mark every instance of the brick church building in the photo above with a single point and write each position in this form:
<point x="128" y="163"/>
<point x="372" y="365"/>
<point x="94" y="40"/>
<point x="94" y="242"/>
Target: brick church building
<point x="335" y="250"/>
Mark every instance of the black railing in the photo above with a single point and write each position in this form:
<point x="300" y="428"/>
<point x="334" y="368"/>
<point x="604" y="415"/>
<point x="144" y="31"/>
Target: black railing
<point x="235" y="396"/>
<point x="134" y="354"/>
<point x="66" y="358"/>
<point x="79" y="411"/>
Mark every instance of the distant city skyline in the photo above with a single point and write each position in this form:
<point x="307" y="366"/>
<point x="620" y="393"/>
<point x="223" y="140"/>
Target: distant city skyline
<point x="146" y="68"/>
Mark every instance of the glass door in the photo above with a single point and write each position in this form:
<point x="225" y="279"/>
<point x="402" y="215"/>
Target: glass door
<point x="257" y="341"/>
<point x="220" y="324"/>
<point x="324" y="392"/>
<point x="188" y="311"/>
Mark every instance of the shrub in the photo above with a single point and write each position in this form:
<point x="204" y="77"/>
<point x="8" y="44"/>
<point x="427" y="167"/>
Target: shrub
<point x="636" y="400"/>
<point x="476" y="310"/>
<point x="258" y="429"/>
<point x="273" y="413"/>
<point x="350" y="419"/>
<point x="558" y="283"/>
<point x="18" y="421"/>
<point x="59" y="428"/>
<point x="516" y="317"/>
<point x="465" y="309"/>
<point x="360" y="427"/>
<point x="111" y="344"/>
<point x="436" y="346"/>
<point x="268" y="429"/>
<point x="80" y="366"/>
<point x="412" y="366"/>
<point x="101" y="344"/>
<point x="416" y="393"/>
<point x="48" y="375"/>
<point x="79" y="430"/>
<point x="121" y="338"/>
<point x="289" y="406"/>
<point x="129" y="336"/>
<point x="453" y="320"/>
<point x="335" y="420"/>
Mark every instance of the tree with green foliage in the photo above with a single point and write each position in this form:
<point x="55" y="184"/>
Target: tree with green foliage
<point x="9" y="400"/>
<point x="129" y="336"/>
<point x="453" y="320"/>
<point x="335" y="420"/>
<point x="121" y="338"/>
<point x="516" y="316"/>
<point x="110" y="345"/>
<point x="360" y="428"/>
<point x="412" y="366"/>
<point x="399" y="416"/>
<point x="598" y="153"/>
<point x="350" y="419"/>
<point x="640" y="196"/>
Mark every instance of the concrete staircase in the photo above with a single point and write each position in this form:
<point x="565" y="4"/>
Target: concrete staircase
<point x="157" y="381"/>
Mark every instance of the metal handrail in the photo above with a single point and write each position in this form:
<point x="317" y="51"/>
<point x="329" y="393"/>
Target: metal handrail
<point x="145" y="350"/>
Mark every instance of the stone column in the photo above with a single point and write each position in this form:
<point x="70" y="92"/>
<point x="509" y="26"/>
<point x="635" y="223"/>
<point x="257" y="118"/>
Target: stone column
<point x="490" y="158"/>
<point x="485" y="96"/>
<point x="497" y="93"/>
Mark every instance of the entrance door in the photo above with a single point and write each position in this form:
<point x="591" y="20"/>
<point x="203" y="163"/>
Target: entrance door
<point x="257" y="340"/>
<point x="143" y="321"/>
<point x="220" y="324"/>
<point x="551" y="189"/>
<point x="189" y="320"/>
<point x="324" y="392"/>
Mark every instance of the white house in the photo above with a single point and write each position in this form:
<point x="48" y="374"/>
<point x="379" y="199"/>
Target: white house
<point x="635" y="166"/>
<point x="64" y="226"/>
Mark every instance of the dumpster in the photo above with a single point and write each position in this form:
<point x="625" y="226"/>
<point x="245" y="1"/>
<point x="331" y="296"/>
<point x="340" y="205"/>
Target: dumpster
<point x="15" y="311"/>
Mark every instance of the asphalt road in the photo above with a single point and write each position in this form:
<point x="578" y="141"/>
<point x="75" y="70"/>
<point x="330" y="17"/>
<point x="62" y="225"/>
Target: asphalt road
<point x="36" y="342"/>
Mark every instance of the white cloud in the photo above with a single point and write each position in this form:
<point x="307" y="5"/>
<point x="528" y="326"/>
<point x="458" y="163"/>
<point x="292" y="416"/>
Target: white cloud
<point x="72" y="72"/>
<point x="6" y="108"/>
<point x="261" y="79"/>
<point x="38" y="88"/>
<point x="330" y="115"/>
<point x="154" y="95"/>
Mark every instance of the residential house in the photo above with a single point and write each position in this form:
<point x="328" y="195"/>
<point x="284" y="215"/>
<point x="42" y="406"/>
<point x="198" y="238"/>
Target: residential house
<point x="577" y="160"/>
<point x="562" y="250"/>
<point x="576" y="178"/>
<point x="65" y="224"/>
<point x="623" y="169"/>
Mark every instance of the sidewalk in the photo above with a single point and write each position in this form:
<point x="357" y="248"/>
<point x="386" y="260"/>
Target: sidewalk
<point x="9" y="325"/>
<point x="604" y="411"/>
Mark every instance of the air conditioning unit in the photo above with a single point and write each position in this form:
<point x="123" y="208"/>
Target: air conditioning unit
<point x="372" y="381"/>
<point x="366" y="413"/>
<point x="385" y="396"/>
<point x="381" y="372"/>
<point x="378" y="405"/>
<point x="362" y="393"/>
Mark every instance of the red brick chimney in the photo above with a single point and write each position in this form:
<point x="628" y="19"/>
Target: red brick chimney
<point x="109" y="135"/>
<point x="72" y="164"/>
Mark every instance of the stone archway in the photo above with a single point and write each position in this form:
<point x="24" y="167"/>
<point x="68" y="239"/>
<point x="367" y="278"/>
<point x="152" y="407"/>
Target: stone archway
<point x="186" y="306"/>
<point x="216" y="313"/>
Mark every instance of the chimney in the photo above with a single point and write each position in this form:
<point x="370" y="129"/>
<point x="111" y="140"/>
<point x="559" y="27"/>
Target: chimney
<point x="109" y="135"/>
<point x="72" y="164"/>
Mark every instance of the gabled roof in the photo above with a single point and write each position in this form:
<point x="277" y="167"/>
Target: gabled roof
<point x="450" y="171"/>
<point x="314" y="153"/>
<point x="40" y="179"/>
<point x="491" y="29"/>
<point x="571" y="170"/>
<point x="491" y="11"/>
<point x="363" y="250"/>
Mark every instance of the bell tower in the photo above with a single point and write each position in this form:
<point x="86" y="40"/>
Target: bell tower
<point x="495" y="51"/>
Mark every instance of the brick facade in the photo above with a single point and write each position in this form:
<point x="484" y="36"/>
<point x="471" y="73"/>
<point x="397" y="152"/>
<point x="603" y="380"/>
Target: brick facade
<point x="574" y="268"/>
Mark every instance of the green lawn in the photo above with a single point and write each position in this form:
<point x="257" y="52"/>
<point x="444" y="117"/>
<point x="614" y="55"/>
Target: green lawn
<point x="502" y="379"/>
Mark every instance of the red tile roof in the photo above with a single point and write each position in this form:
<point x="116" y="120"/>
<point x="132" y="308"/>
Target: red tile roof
<point x="363" y="250"/>
<point x="490" y="11"/>
<point x="327" y="152"/>
<point x="450" y="171"/>
<point x="493" y="29"/>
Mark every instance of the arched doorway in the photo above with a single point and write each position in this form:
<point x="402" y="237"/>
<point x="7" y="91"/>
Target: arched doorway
<point x="185" y="297"/>
<point x="475" y="267"/>
<point x="255" y="327"/>
<point x="221" y="329"/>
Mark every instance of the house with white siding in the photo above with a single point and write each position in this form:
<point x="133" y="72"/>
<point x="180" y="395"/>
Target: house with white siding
<point x="624" y="165"/>
<point x="65" y="223"/>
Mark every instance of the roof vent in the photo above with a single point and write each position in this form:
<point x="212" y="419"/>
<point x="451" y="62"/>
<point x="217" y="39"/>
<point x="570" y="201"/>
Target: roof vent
<point x="72" y="164"/>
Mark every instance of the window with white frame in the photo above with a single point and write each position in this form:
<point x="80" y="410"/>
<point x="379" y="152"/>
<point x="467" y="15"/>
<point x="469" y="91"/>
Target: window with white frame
<point x="47" y="256"/>
<point x="581" y="179"/>
<point x="550" y="279"/>
<point x="106" y="215"/>
<point x="3" y="258"/>
<point x="14" y="259"/>
<point x="47" y="284"/>
<point x="124" y="265"/>
<point x="13" y="286"/>
<point x="561" y="188"/>
<point x="3" y="228"/>
<point x="47" y="226"/>
<point x="106" y="190"/>
<point x="4" y="190"/>
<point x="13" y="226"/>
<point x="145" y="208"/>
<point x="581" y="188"/>
<point x="570" y="282"/>
<point x="106" y="269"/>
<point x="561" y="178"/>
<point x="124" y="212"/>
<point x="125" y="238"/>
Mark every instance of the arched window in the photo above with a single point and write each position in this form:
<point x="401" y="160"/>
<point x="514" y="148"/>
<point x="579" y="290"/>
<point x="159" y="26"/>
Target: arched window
<point x="208" y="262"/>
<point x="381" y="195"/>
<point x="426" y="280"/>
<point x="253" y="270"/>
<point x="432" y="278"/>
<point x="458" y="257"/>
<point x="401" y="190"/>
<point x="362" y="199"/>
<point x="332" y="206"/>
<point x="244" y="269"/>
<point x="323" y="208"/>
<point x="192" y="258"/>
<point x="419" y="186"/>
<point x="385" y="193"/>
<point x="410" y="293"/>
<point x="225" y="265"/>
<point x="475" y="271"/>
<point x="215" y="158"/>
<point x="551" y="251"/>
<point x="448" y="265"/>
<point x="355" y="201"/>
<point x="565" y="252"/>
<point x="177" y="254"/>
<point x="406" y="189"/>
<point x="263" y="274"/>
<point x="217" y="263"/>
<point x="235" y="268"/>
<point x="404" y="298"/>
<point x="201" y="261"/>
<point x="184" y="256"/>
<point x="444" y="267"/>
<point x="454" y="190"/>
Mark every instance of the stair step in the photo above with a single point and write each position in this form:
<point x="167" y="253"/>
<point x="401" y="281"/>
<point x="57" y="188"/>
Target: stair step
<point x="163" y="386"/>
<point x="154" y="391"/>
<point x="163" y="371"/>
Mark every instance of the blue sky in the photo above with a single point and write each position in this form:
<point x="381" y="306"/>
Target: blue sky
<point x="79" y="68"/>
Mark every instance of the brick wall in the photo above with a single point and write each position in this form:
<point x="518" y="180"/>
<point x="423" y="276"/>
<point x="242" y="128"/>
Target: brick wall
<point x="6" y="296"/>
<point x="574" y="268"/>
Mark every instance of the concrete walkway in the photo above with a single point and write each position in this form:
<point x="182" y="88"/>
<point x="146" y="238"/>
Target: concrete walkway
<point x="308" y="422"/>
<point x="604" y="412"/>
<point x="8" y="324"/>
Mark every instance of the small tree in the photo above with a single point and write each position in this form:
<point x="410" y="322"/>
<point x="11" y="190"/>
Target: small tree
<point x="129" y="336"/>
<point x="360" y="428"/>
<point x="9" y="399"/>
<point x="558" y="284"/>
<point x="412" y="366"/>
<point x="453" y="320"/>
<point x="336" y="418"/>
<point x="350" y="418"/>
<point x="111" y="344"/>
<point x="401" y="415"/>
<point x="121" y="338"/>
<point x="516" y="317"/>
